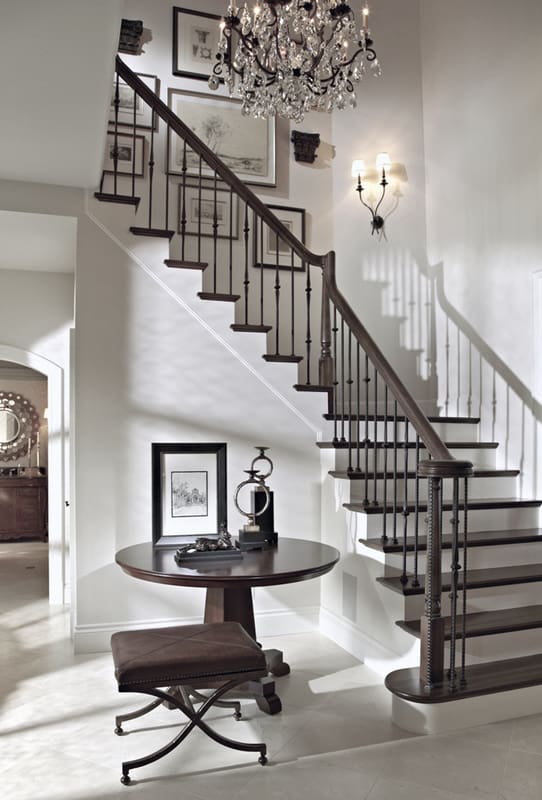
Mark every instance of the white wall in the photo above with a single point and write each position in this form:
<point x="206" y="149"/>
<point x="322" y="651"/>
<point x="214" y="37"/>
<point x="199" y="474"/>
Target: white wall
<point x="483" y="125"/>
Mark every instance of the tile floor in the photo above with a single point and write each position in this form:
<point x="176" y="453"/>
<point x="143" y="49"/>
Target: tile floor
<point x="334" y="737"/>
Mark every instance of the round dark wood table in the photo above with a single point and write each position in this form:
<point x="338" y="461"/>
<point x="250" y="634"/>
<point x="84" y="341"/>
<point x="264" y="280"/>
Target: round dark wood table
<point x="229" y="586"/>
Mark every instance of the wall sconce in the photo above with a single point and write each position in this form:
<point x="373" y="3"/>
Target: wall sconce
<point x="383" y="163"/>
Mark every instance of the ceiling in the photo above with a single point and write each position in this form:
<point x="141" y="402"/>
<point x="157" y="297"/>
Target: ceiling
<point x="56" y="68"/>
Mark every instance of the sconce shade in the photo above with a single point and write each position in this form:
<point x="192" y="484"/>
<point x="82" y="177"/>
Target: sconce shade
<point x="358" y="168"/>
<point x="383" y="161"/>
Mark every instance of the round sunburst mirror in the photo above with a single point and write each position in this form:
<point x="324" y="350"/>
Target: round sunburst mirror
<point x="19" y="424"/>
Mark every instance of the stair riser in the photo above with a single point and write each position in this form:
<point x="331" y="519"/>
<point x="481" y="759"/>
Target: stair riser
<point x="480" y="488"/>
<point x="449" y="432"/>
<point x="481" y="457"/>
<point x="489" y="598"/>
<point x="478" y="557"/>
<point x="370" y="525"/>
<point x="495" y="648"/>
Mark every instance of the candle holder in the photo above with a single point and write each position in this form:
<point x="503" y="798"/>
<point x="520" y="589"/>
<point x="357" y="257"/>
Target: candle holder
<point x="251" y="537"/>
<point x="258" y="497"/>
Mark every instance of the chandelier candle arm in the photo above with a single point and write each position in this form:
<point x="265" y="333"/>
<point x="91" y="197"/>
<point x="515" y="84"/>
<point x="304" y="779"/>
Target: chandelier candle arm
<point x="293" y="56"/>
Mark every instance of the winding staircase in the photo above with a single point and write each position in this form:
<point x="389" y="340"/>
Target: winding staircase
<point x="417" y="500"/>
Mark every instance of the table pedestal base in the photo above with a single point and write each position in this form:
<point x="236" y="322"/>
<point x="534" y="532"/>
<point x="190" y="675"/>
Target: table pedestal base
<point x="235" y="605"/>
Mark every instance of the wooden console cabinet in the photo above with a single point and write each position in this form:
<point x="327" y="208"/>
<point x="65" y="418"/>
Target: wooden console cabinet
<point x="23" y="508"/>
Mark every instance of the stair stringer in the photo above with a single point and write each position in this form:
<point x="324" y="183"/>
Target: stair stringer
<point x="215" y="317"/>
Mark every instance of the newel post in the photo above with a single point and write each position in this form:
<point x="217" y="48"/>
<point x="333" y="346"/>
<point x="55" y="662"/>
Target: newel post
<point x="432" y="623"/>
<point x="325" y="362"/>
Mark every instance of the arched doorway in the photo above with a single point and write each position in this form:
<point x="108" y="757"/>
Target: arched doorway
<point x="58" y="564"/>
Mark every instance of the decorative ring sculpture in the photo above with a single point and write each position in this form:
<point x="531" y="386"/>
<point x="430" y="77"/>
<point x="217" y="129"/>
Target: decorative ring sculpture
<point x="252" y="479"/>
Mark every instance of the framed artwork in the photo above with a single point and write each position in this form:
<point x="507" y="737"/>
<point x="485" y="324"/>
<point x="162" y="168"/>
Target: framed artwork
<point x="195" y="43"/>
<point x="127" y="98"/>
<point x="269" y="249"/>
<point x="246" y="145"/>
<point x="130" y="159"/>
<point x="203" y="206"/>
<point x="188" y="492"/>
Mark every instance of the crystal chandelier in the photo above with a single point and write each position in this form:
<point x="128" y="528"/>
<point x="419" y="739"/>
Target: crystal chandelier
<point x="293" y="56"/>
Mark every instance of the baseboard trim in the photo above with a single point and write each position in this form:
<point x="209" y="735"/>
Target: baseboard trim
<point x="278" y="622"/>
<point x="380" y="659"/>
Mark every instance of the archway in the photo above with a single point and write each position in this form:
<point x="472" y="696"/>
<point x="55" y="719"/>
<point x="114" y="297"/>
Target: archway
<point x="58" y="565"/>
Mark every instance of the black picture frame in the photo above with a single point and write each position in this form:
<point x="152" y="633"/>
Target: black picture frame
<point x="189" y="492"/>
<point x="195" y="43"/>
<point x="127" y="98"/>
<point x="269" y="251"/>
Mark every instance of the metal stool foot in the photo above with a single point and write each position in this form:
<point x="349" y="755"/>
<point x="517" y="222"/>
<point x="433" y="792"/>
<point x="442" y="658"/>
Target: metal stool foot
<point x="125" y="779"/>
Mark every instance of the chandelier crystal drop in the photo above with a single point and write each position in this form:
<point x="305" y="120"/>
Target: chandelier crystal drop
<point x="288" y="57"/>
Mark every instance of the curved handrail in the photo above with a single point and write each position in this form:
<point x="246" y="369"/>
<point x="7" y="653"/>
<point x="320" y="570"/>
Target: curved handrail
<point x="434" y="444"/>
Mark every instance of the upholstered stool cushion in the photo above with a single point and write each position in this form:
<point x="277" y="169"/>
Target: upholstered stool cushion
<point x="201" y="656"/>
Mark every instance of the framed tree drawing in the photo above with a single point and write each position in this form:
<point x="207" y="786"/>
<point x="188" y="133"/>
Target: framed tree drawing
<point x="195" y="43"/>
<point x="188" y="492"/>
<point x="246" y="145"/>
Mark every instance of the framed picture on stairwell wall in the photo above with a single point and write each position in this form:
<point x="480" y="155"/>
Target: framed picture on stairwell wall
<point x="128" y="99"/>
<point x="245" y="145"/>
<point x="195" y="43"/>
<point x="270" y="250"/>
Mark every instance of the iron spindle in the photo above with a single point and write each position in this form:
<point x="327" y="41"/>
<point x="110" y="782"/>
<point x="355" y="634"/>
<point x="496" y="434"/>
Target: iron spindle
<point x="308" y="338"/>
<point x="395" y="470"/>
<point x="358" y="408"/>
<point x="375" y="438"/>
<point x="349" y="383"/>
<point x="277" y="297"/>
<point x="366" y="439"/>
<point x="432" y="624"/>
<point x="455" y="580"/>
<point x="385" y="466"/>
<point x="343" y="407"/>
<point x="261" y="272"/>
<point x="292" y="305"/>
<point x="246" y="279"/>
<point x="230" y="245"/>
<point x="335" y="331"/>
<point x="464" y="598"/>
<point x="404" y="579"/>
<point x="415" y="580"/>
<point x="166" y="208"/>
<point x="200" y="189"/>
<point x="116" y="105"/>
<point x="134" y="149"/>
<point x="215" y="234"/>
<point x="151" y="165"/>
<point x="182" y="190"/>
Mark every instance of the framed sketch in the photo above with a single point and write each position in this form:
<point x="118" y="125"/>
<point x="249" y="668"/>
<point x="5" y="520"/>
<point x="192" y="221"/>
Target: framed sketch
<point x="127" y="98"/>
<point x="246" y="145"/>
<point x="188" y="492"/>
<point x="272" y="251"/>
<point x="130" y="158"/>
<point x="195" y="43"/>
<point x="204" y="207"/>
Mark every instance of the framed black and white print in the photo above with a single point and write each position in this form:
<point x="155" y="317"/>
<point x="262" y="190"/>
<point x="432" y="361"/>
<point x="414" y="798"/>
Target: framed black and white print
<point x="245" y="144"/>
<point x="188" y="492"/>
<point x="130" y="154"/>
<point x="195" y="43"/>
<point x="204" y="207"/>
<point x="127" y="99"/>
<point x="269" y="249"/>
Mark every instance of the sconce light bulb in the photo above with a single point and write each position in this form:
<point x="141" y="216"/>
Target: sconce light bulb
<point x="383" y="161"/>
<point x="358" y="168"/>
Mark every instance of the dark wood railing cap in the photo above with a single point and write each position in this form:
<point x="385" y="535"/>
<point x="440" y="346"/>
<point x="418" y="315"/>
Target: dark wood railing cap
<point x="445" y="469"/>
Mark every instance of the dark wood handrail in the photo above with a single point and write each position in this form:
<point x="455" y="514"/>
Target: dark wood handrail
<point x="434" y="444"/>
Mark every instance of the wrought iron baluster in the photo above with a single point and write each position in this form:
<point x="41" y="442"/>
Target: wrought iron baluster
<point x="134" y="147"/>
<point x="358" y="407"/>
<point x="343" y="405"/>
<point x="261" y="273"/>
<point x="230" y="244"/>
<point x="395" y="471"/>
<point x="182" y="204"/>
<point x="366" y="381"/>
<point x="215" y="234"/>
<point x="404" y="579"/>
<point x="246" y="279"/>
<point x="385" y="466"/>
<point x="200" y="191"/>
<point x="375" y="438"/>
<point x="464" y="592"/>
<point x="452" y="674"/>
<point x="349" y="383"/>
<point x="116" y="105"/>
<point x="335" y="331"/>
<point x="308" y="335"/>
<point x="415" y="580"/>
<point x="277" y="297"/>
<point x="151" y="166"/>
<point x="432" y="624"/>
<point x="292" y="306"/>
<point x="166" y="176"/>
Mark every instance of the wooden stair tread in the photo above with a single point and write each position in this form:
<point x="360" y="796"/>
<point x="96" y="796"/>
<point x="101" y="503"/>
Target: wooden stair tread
<point x="125" y="199"/>
<point x="401" y="418"/>
<point x="343" y="445"/>
<point x="278" y="359"/>
<point x="487" y="678"/>
<point x="486" y="623"/>
<point x="476" y="578"/>
<point x="242" y="328"/>
<point x="479" y="472"/>
<point x="474" y="504"/>
<point x="224" y="298"/>
<point x="157" y="233"/>
<point x="475" y="539"/>
<point x="176" y="263"/>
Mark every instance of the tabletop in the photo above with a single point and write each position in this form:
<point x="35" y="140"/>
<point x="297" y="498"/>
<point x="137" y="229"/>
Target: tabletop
<point x="291" y="561"/>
